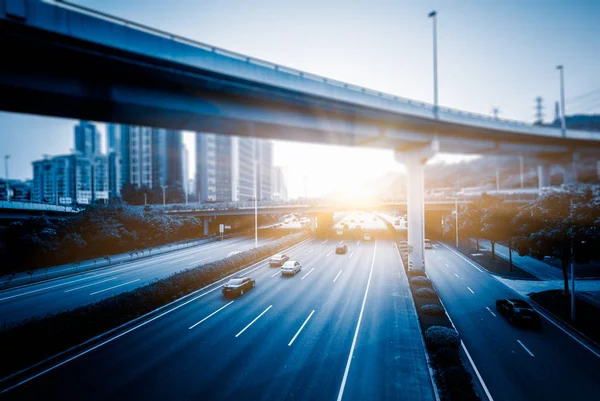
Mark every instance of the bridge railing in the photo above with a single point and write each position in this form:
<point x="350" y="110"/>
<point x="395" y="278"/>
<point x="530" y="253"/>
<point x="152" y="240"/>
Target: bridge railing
<point x="292" y="71"/>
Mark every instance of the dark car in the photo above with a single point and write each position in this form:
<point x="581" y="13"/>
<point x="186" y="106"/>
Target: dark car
<point x="341" y="248"/>
<point x="238" y="286"/>
<point x="518" y="311"/>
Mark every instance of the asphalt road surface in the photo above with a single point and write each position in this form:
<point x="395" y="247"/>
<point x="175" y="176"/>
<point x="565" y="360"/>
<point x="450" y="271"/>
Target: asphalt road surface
<point x="343" y="328"/>
<point x="515" y="363"/>
<point x="66" y="293"/>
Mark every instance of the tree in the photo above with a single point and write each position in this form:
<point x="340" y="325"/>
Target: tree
<point x="560" y="225"/>
<point x="471" y="221"/>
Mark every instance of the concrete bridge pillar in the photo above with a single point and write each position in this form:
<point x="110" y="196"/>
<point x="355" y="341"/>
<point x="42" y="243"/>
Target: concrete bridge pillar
<point x="313" y="223"/>
<point x="543" y="175"/>
<point x="570" y="170"/>
<point x="205" y="225"/>
<point x="415" y="160"/>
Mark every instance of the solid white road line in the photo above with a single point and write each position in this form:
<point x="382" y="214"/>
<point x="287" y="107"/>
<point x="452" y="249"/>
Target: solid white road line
<point x="330" y="252"/>
<point x="462" y="257"/>
<point x="276" y="273"/>
<point x="142" y="324"/>
<point x="252" y="322"/>
<point x="301" y="327"/>
<point x="362" y="309"/>
<point x="525" y="348"/>
<point x="351" y="253"/>
<point x="214" y="313"/>
<point x="336" y="277"/>
<point x="472" y="292"/>
<point x="489" y="310"/>
<point x="197" y="261"/>
<point x="487" y="392"/>
<point x="110" y="288"/>
<point x="457" y="276"/>
<point x="310" y="271"/>
<point x="357" y="243"/>
<point x="89" y="285"/>
<point x="447" y="265"/>
<point x="324" y="241"/>
<point x="309" y="252"/>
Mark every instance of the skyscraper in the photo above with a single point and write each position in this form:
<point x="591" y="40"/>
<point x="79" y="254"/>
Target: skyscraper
<point x="113" y="135"/>
<point x="115" y="169"/>
<point x="184" y="168"/>
<point x="225" y="168"/>
<point x="87" y="139"/>
<point x="279" y="185"/>
<point x="136" y="156"/>
<point x="166" y="157"/>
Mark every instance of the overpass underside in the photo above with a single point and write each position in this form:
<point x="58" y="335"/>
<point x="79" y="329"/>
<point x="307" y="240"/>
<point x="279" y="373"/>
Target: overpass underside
<point x="64" y="62"/>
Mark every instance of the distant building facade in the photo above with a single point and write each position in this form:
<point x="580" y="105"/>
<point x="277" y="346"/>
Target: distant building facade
<point x="87" y="139"/>
<point x="225" y="168"/>
<point x="279" y="186"/>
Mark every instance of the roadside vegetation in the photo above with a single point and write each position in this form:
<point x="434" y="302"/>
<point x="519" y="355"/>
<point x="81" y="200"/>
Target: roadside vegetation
<point x="30" y="342"/>
<point x="441" y="339"/>
<point x="97" y="232"/>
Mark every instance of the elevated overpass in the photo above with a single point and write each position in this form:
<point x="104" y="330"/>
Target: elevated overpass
<point x="103" y="68"/>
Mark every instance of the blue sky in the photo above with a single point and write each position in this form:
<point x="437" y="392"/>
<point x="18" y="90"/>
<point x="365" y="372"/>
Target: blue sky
<point x="491" y="54"/>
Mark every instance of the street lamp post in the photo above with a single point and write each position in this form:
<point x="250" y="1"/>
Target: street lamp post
<point x="6" y="157"/>
<point x="164" y="196"/>
<point x="563" y="122"/>
<point x="456" y="223"/>
<point x="255" y="197"/>
<point x="433" y="15"/>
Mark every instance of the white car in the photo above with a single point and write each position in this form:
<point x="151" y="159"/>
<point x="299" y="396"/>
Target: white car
<point x="367" y="237"/>
<point x="291" y="267"/>
<point x="278" y="259"/>
<point x="233" y="253"/>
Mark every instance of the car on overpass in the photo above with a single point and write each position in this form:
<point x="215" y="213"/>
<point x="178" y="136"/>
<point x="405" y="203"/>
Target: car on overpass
<point x="238" y="286"/>
<point x="518" y="311"/>
<point x="291" y="268"/>
<point x="341" y="249"/>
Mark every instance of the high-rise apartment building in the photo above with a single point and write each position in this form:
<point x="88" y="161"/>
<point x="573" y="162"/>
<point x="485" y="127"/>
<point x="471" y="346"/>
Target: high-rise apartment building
<point x="166" y="157"/>
<point x="225" y="168"/>
<point x="87" y="138"/>
<point x="136" y="155"/>
<point x="279" y="186"/>
<point x="71" y="179"/>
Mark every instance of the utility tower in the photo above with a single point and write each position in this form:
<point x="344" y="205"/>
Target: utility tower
<point x="539" y="110"/>
<point x="495" y="112"/>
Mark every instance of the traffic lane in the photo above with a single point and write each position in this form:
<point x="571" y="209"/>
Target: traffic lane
<point x="131" y="352"/>
<point x="87" y="288"/>
<point x="312" y="366"/>
<point x="147" y="351"/>
<point x="389" y="360"/>
<point x="536" y="353"/>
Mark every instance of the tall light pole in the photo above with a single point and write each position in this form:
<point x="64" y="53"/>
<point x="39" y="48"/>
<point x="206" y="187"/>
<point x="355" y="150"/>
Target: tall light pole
<point x="456" y="222"/>
<point x="433" y="15"/>
<point x="255" y="196"/>
<point x="164" y="197"/>
<point x="6" y="157"/>
<point x="563" y="122"/>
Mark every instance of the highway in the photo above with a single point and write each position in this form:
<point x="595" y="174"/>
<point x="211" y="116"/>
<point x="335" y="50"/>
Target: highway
<point x="515" y="363"/>
<point x="51" y="296"/>
<point x="343" y="328"/>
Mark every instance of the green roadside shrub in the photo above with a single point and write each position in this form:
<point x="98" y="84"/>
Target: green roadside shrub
<point x="425" y="293"/>
<point x="416" y="273"/>
<point x="446" y="356"/>
<point x="432" y="310"/>
<point x="438" y="337"/>
<point x="420" y="281"/>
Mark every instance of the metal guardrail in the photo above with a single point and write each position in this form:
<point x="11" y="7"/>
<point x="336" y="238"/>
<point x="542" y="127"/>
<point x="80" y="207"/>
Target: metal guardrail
<point x="45" y="207"/>
<point x="277" y="67"/>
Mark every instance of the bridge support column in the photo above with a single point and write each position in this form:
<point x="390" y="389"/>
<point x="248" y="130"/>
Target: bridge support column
<point x="543" y="175"/>
<point x="570" y="170"/>
<point x="205" y="225"/>
<point x="313" y="223"/>
<point x="414" y="161"/>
